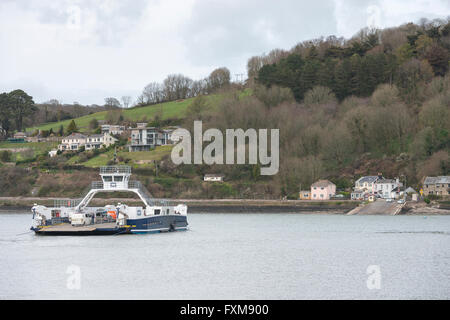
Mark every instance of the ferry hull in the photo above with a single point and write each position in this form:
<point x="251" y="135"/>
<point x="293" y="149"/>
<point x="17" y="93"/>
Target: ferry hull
<point x="154" y="224"/>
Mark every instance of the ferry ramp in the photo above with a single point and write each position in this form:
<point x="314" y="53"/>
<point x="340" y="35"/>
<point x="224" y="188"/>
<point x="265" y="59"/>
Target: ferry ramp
<point x="378" y="207"/>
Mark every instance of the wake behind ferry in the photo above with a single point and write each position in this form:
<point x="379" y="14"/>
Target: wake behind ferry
<point x="74" y="217"/>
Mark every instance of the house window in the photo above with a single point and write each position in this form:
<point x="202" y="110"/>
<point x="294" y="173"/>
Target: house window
<point x="321" y="195"/>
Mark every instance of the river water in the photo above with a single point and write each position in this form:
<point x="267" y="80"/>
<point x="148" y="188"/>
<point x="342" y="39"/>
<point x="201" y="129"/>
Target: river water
<point x="235" y="256"/>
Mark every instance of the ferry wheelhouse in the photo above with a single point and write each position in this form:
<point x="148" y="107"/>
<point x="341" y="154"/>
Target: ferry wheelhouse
<point x="75" y="217"/>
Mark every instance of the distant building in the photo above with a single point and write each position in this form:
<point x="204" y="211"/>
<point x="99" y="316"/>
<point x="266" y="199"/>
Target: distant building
<point x="113" y="129"/>
<point x="40" y="138"/>
<point x="322" y="190"/>
<point x="147" y="138"/>
<point x="77" y="140"/>
<point x="367" y="183"/>
<point x="357" y="195"/>
<point x="384" y="187"/>
<point x="20" y="135"/>
<point x="172" y="135"/>
<point x="439" y="186"/>
<point x="52" y="153"/>
<point x="410" y="191"/>
<point x="213" y="177"/>
<point x="305" y="195"/>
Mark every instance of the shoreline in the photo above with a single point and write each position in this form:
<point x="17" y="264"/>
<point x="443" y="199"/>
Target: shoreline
<point x="8" y="204"/>
<point x="249" y="206"/>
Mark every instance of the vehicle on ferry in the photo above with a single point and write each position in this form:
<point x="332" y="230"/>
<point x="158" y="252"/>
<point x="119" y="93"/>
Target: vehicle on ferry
<point x="75" y="217"/>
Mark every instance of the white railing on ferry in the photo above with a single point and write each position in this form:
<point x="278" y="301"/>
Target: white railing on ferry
<point x="115" y="169"/>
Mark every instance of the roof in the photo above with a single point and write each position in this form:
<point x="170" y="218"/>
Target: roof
<point x="322" y="183"/>
<point x="410" y="190"/>
<point x="211" y="175"/>
<point x="435" y="180"/>
<point x="368" y="179"/>
<point x="386" y="181"/>
<point x="76" y="135"/>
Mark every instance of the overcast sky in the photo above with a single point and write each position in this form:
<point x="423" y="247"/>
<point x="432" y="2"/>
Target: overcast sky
<point x="81" y="50"/>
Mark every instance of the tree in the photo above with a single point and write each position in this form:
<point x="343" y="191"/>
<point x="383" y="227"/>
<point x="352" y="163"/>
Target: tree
<point x="153" y="93"/>
<point x="176" y="86"/>
<point x="438" y="58"/>
<point x="126" y="101"/>
<point x="61" y="131"/>
<point x="219" y="78"/>
<point x="5" y="114"/>
<point x="112" y="103"/>
<point x="5" y="156"/>
<point x="22" y="105"/>
<point x="93" y="124"/>
<point x="72" y="127"/>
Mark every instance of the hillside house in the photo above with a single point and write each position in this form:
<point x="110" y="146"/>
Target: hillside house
<point x="20" y="135"/>
<point x="147" y="138"/>
<point x="213" y="177"/>
<point x="367" y="183"/>
<point x="77" y="140"/>
<point x="439" y="186"/>
<point x="112" y="129"/>
<point x="305" y="195"/>
<point x="322" y="190"/>
<point x="385" y="187"/>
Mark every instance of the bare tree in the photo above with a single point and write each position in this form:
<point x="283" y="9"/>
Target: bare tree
<point x="126" y="101"/>
<point x="219" y="78"/>
<point x="153" y="93"/>
<point x="111" y="102"/>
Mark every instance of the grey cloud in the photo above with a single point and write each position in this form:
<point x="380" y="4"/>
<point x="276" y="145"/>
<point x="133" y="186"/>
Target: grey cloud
<point x="113" y="19"/>
<point x="218" y="31"/>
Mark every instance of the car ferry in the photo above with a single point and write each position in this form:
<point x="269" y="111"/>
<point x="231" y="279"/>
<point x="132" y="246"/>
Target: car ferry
<point x="75" y="217"/>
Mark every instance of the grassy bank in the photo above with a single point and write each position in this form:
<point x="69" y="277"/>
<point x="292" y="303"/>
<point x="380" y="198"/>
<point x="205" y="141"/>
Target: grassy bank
<point x="167" y="110"/>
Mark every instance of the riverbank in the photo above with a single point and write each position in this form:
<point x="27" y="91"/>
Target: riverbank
<point x="24" y="204"/>
<point x="203" y="205"/>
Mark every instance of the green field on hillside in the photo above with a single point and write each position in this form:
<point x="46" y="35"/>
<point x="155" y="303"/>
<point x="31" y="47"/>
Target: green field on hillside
<point x="141" y="158"/>
<point x="173" y="109"/>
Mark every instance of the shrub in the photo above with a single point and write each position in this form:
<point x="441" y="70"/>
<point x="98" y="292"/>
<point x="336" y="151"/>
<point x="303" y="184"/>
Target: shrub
<point x="5" y="156"/>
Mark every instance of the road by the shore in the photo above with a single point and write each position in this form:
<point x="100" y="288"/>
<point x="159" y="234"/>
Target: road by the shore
<point x="207" y="205"/>
<point x="24" y="204"/>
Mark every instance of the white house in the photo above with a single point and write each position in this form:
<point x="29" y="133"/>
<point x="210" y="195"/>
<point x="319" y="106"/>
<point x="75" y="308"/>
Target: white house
<point x="113" y="129"/>
<point x="147" y="138"/>
<point x="385" y="187"/>
<point x="213" y="177"/>
<point x="52" y="153"/>
<point x="77" y="140"/>
<point x="367" y="183"/>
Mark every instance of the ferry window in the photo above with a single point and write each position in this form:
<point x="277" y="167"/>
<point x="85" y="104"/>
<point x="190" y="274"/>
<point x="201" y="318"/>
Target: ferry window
<point x="139" y="212"/>
<point x="157" y="211"/>
<point x="118" y="178"/>
<point x="107" y="178"/>
<point x="167" y="211"/>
